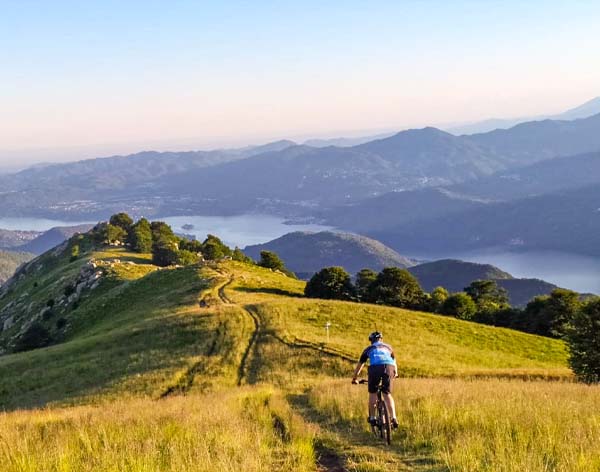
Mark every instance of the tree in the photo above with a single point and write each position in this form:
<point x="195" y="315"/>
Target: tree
<point x="487" y="295"/>
<point x="439" y="295"/>
<point x="271" y="260"/>
<point x="583" y="337"/>
<point x="397" y="287"/>
<point x="165" y="253"/>
<point x="459" y="305"/>
<point x="213" y="248"/>
<point x="330" y="283"/>
<point x="115" y="234"/>
<point x="548" y="315"/>
<point x="122" y="220"/>
<point x="238" y="255"/>
<point x="141" y="236"/>
<point x="364" y="281"/>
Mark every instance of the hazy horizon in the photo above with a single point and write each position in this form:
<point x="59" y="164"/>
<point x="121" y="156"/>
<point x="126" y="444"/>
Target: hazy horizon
<point x="90" y="80"/>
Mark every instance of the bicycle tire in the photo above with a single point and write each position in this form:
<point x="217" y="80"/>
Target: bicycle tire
<point x="386" y="425"/>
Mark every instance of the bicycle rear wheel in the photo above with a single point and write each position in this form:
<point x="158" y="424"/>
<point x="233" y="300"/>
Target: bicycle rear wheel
<point x="385" y="423"/>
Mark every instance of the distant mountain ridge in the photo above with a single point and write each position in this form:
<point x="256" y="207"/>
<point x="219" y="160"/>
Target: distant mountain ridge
<point x="589" y="108"/>
<point x="307" y="253"/>
<point x="10" y="261"/>
<point x="455" y="275"/>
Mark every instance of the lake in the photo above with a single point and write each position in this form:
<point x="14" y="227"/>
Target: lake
<point x="241" y="230"/>
<point x="577" y="272"/>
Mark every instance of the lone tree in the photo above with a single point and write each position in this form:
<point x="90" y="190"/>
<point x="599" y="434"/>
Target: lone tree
<point x="270" y="260"/>
<point x="331" y="283"/>
<point x="397" y="287"/>
<point x="459" y="305"/>
<point x="364" y="282"/>
<point x="583" y="337"/>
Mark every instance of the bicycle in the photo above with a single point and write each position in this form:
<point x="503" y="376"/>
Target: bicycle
<point x="383" y="426"/>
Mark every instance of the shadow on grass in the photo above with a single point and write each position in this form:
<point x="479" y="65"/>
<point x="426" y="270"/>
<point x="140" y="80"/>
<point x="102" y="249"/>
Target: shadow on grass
<point x="270" y="291"/>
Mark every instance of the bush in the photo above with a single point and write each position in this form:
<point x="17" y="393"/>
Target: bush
<point x="270" y="260"/>
<point x="187" y="258"/>
<point x="35" y="337"/>
<point x="583" y="337"/>
<point x="459" y="305"/>
<point x="330" y="283"/>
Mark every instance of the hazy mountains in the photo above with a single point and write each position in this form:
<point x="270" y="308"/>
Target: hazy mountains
<point x="38" y="242"/>
<point x="586" y="110"/>
<point x="10" y="261"/>
<point x="286" y="178"/>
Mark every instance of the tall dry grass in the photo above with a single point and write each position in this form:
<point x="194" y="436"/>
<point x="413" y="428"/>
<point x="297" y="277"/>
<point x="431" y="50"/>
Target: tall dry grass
<point x="484" y="425"/>
<point x="250" y="430"/>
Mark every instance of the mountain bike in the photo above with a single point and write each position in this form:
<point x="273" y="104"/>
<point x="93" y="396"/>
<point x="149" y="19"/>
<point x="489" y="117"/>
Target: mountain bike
<point x="383" y="424"/>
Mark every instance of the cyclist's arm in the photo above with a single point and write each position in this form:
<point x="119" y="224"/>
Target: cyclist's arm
<point x="361" y="363"/>
<point x="357" y="370"/>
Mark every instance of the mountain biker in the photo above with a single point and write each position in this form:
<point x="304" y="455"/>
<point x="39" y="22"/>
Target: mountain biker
<point x="382" y="369"/>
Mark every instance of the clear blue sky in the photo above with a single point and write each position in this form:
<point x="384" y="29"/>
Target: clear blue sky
<point x="194" y="73"/>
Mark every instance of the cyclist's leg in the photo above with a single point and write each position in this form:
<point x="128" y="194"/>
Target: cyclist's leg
<point x="386" y="388"/>
<point x="375" y="374"/>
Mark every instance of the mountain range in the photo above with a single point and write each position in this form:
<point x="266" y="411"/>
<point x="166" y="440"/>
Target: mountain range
<point x="589" y="108"/>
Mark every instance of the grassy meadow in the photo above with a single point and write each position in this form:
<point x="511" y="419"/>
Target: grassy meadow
<point x="226" y="367"/>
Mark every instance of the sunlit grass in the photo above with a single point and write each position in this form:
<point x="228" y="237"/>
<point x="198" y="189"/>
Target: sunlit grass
<point x="483" y="425"/>
<point x="250" y="430"/>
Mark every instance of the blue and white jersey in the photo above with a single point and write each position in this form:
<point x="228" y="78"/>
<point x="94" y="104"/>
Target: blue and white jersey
<point x="378" y="354"/>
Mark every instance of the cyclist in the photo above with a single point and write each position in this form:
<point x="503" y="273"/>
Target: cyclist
<point x="382" y="369"/>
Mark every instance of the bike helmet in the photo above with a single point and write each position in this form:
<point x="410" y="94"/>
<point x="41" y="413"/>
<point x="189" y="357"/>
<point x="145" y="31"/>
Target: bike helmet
<point x="375" y="336"/>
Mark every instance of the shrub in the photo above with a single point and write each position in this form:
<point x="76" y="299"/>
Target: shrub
<point x="459" y="305"/>
<point x="35" y="337"/>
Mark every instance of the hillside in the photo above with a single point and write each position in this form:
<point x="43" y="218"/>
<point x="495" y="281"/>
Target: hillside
<point x="9" y="261"/>
<point x="307" y="253"/>
<point x="143" y="350"/>
<point x="148" y="323"/>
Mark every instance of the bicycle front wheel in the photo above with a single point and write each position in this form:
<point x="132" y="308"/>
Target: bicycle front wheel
<point x="385" y="423"/>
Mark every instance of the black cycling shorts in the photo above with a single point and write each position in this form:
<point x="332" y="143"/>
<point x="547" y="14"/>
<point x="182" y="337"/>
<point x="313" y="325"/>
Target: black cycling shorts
<point x="381" y="374"/>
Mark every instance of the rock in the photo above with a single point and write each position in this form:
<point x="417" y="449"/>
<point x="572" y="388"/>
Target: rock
<point x="8" y="323"/>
